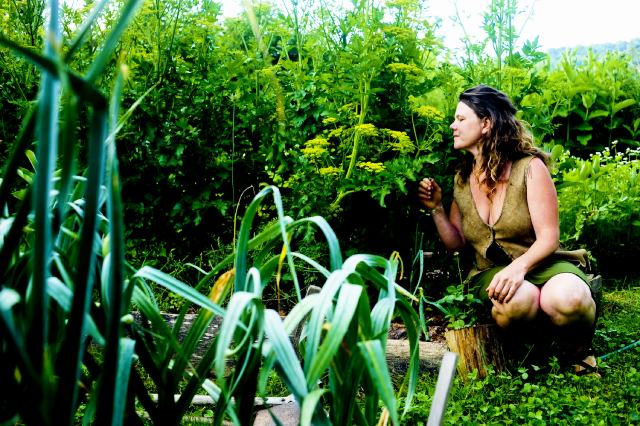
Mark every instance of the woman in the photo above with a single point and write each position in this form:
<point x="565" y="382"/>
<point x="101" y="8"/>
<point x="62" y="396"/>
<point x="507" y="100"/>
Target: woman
<point x="505" y="206"/>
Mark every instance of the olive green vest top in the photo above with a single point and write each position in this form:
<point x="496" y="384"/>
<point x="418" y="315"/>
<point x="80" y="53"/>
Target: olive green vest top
<point x="512" y="234"/>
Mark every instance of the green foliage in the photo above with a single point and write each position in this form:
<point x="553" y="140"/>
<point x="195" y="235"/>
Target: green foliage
<point x="231" y="106"/>
<point x="583" y="103"/>
<point x="459" y="305"/>
<point x="598" y="201"/>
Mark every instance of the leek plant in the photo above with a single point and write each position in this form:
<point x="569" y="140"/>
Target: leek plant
<point x="337" y="373"/>
<point x="61" y="236"/>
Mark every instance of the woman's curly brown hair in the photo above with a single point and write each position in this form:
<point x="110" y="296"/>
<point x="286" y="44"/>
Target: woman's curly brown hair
<point x="507" y="139"/>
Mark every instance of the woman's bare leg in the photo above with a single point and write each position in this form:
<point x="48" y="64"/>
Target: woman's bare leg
<point x="567" y="301"/>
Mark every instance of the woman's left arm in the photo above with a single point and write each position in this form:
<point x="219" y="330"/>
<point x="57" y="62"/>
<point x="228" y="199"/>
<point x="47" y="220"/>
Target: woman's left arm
<point x="542" y="201"/>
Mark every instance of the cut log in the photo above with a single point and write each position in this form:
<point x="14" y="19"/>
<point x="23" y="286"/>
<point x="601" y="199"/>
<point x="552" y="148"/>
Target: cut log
<point x="478" y="347"/>
<point x="431" y="354"/>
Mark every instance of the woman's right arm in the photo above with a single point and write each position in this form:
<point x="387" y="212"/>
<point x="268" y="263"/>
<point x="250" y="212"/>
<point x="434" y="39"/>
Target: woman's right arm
<point x="449" y="227"/>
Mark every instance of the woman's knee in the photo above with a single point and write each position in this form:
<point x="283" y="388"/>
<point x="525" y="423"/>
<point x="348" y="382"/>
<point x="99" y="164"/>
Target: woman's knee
<point x="522" y="307"/>
<point x="566" y="299"/>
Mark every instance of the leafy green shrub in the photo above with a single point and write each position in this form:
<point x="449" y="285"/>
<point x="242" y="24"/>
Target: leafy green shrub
<point x="599" y="200"/>
<point x="460" y="307"/>
<point x="586" y="103"/>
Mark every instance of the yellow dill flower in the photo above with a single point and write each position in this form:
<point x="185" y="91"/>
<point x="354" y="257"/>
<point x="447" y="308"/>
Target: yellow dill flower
<point x="318" y="142"/>
<point x="371" y="167"/>
<point x="313" y="153"/>
<point x="400" y="141"/>
<point x="330" y="171"/>
<point x="366" y="129"/>
<point x="402" y="34"/>
<point x="401" y="3"/>
<point x="429" y="113"/>
<point x="329" y="120"/>
<point x="348" y="107"/>
<point x="400" y="68"/>
<point x="336" y="133"/>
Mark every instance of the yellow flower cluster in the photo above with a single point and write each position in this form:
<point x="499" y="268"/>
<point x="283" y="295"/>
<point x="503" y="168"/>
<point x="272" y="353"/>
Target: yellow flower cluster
<point x="429" y="113"/>
<point x="371" y="167"/>
<point x="400" y="68"/>
<point x="336" y="133"/>
<point x="315" y="148"/>
<point x="313" y="152"/>
<point x="330" y="171"/>
<point x="366" y="129"/>
<point x="318" y="142"/>
<point x="349" y="111"/>
<point x="400" y="3"/>
<point x="329" y="120"/>
<point x="400" y="141"/>
<point x="402" y="34"/>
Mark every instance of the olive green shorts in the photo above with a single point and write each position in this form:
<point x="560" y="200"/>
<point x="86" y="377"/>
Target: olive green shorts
<point x="539" y="276"/>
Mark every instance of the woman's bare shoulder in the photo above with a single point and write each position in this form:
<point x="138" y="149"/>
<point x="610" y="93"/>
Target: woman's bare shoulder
<point x="537" y="168"/>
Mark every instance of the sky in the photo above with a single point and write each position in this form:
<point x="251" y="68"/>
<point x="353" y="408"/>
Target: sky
<point x="557" y="23"/>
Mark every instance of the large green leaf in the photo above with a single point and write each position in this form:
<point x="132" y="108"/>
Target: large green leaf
<point x="343" y="315"/>
<point x="376" y="363"/>
<point x="178" y="287"/>
<point x="285" y="354"/>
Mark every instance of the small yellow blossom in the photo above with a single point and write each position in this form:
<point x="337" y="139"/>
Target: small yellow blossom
<point x="405" y="69"/>
<point x="401" y="3"/>
<point x="329" y="120"/>
<point x="336" y="133"/>
<point x="402" y="34"/>
<point x="317" y="142"/>
<point x="371" y="167"/>
<point x="400" y="141"/>
<point x="429" y="113"/>
<point x="330" y="171"/>
<point x="313" y="153"/>
<point x="366" y="129"/>
<point x="348" y="107"/>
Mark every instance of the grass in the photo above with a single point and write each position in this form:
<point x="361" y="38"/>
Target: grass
<point x="540" y="395"/>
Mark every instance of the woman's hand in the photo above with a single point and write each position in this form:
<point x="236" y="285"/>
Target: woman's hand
<point x="430" y="193"/>
<point x="506" y="282"/>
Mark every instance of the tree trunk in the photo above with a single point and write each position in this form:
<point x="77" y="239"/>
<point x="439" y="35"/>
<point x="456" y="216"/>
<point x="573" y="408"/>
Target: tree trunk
<point x="478" y="347"/>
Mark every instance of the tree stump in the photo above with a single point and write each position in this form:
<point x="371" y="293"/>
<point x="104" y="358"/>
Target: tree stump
<point x="478" y="347"/>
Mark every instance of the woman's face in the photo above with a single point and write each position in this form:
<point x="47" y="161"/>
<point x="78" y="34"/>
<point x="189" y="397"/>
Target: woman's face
<point x="468" y="129"/>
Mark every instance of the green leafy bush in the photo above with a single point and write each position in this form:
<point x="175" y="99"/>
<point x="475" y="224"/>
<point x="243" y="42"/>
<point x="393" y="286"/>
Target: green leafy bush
<point x="599" y="200"/>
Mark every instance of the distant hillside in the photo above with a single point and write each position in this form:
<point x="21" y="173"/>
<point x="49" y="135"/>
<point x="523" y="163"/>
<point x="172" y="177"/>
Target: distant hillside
<point x="632" y="47"/>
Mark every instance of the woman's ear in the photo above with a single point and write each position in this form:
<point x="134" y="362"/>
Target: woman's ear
<point x="486" y="125"/>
